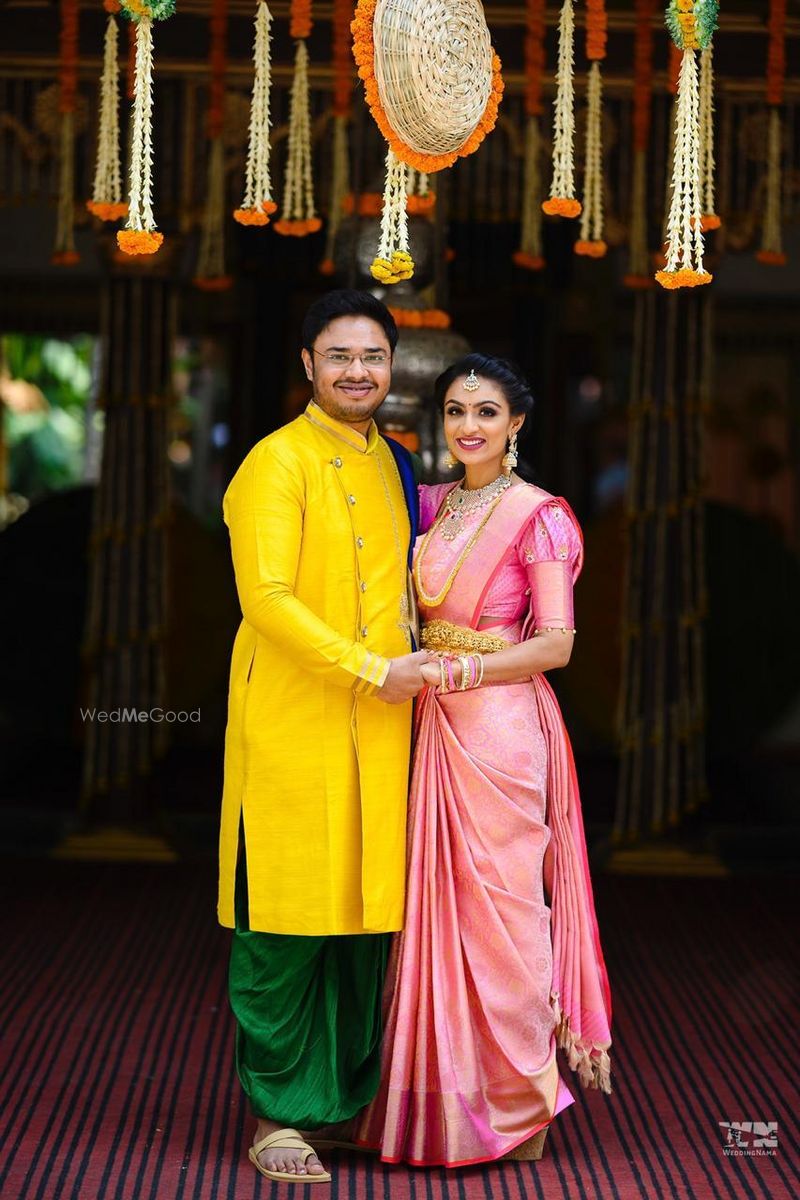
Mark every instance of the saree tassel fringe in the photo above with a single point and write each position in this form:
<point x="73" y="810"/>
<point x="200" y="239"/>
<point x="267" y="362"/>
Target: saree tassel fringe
<point x="590" y="1062"/>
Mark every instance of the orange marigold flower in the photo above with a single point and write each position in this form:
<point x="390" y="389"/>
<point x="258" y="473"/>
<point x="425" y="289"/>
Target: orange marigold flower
<point x="419" y="205"/>
<point x="65" y="258"/>
<point x="213" y="283"/>
<point x="139" y="241"/>
<point x="327" y="267"/>
<point x="772" y="258"/>
<point x="300" y="18"/>
<point x="299" y="228"/>
<point x="640" y="283"/>
<point x="107" y="212"/>
<point x="683" y="277"/>
<point x="530" y="262"/>
<point x="710" y="221"/>
<point x="562" y="206"/>
<point x="591" y="249"/>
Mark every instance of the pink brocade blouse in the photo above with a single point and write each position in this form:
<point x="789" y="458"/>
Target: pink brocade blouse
<point x="538" y="572"/>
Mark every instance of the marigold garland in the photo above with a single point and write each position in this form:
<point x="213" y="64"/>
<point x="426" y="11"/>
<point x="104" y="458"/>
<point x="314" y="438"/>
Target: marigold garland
<point x="421" y="318"/>
<point x="258" y="205"/>
<point x="638" y="276"/>
<point x="364" y="54"/>
<point x="562" y="201"/>
<point x="64" y="252"/>
<point x="529" y="255"/>
<point x="140" y="235"/>
<point x="590" y="242"/>
<point x="393" y="262"/>
<point x="691" y="24"/>
<point x="342" y="94"/>
<point x="299" y="215"/>
<point x="771" y="252"/>
<point x="106" y="202"/>
<point x="210" y="273"/>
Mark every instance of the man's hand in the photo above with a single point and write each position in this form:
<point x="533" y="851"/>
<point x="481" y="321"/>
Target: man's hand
<point x="404" y="680"/>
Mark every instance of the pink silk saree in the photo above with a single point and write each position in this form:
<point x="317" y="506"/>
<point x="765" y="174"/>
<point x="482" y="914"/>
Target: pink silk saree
<point x="500" y="958"/>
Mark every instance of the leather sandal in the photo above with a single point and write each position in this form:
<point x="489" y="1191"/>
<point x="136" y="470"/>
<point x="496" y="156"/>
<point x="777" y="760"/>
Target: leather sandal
<point x="285" y="1139"/>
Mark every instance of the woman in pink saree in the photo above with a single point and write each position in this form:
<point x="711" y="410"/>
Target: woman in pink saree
<point x="500" y="958"/>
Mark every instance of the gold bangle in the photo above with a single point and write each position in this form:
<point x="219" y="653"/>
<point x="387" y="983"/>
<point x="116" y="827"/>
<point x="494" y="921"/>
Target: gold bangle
<point x="465" y="672"/>
<point x="479" y="671"/>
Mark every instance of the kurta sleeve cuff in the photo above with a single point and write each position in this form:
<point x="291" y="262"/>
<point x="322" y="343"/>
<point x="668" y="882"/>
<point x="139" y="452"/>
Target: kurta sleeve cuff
<point x="372" y="675"/>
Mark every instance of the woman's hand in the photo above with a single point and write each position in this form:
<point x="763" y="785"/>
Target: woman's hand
<point x="431" y="674"/>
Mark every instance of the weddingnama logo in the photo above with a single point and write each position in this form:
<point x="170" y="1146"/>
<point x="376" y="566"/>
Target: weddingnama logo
<point x="750" y="1137"/>
<point x="141" y="715"/>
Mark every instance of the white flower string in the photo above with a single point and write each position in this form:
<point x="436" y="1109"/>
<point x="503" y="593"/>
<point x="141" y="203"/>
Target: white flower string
<point x="691" y="24"/>
<point x="393" y="262"/>
<point x="140" y="235"/>
<point x="591" y="240"/>
<point x="771" y="251"/>
<point x="258" y="204"/>
<point x="562" y="201"/>
<point x="106" y="202"/>
<point x="298" y="214"/>
<point x="707" y="163"/>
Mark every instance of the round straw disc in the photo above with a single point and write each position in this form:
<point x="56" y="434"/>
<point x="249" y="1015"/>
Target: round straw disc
<point x="433" y="69"/>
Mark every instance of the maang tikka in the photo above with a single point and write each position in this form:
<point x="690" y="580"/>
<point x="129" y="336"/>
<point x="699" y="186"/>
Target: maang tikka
<point x="471" y="383"/>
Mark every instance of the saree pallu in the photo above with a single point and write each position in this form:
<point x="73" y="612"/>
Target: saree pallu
<point x="499" y="960"/>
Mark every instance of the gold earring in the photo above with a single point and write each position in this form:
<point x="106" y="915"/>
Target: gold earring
<point x="450" y="461"/>
<point x="510" y="457"/>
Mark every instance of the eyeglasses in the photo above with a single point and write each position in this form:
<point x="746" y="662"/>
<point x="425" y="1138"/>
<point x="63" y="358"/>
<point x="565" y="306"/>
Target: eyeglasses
<point x="337" y="358"/>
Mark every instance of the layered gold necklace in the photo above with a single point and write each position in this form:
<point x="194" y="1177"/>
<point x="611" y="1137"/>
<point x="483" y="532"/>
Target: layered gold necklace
<point x="454" y="509"/>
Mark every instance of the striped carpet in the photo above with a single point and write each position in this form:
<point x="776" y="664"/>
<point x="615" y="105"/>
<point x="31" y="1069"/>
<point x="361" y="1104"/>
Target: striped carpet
<point x="117" y="1077"/>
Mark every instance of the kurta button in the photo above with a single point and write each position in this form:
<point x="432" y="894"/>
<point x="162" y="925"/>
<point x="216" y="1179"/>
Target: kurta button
<point x="360" y="543"/>
<point x="337" y="462"/>
<point x="363" y="631"/>
<point x="352" y="499"/>
<point x="363" y="586"/>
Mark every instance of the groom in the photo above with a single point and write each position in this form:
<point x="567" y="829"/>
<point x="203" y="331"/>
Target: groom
<point x="322" y="517"/>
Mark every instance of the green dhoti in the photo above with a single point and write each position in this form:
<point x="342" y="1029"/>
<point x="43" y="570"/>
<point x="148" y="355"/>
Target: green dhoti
<point x="308" y="1013"/>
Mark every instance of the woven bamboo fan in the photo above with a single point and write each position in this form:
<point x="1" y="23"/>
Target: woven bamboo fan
<point x="433" y="85"/>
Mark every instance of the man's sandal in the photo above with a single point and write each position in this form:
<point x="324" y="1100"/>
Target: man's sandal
<point x="286" y="1139"/>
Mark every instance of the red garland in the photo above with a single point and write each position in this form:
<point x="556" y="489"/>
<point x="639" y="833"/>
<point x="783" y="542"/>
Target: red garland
<point x="596" y="30"/>
<point x="342" y="59"/>
<point x="776" y="55"/>
<point x="642" y="73"/>
<point x="219" y="61"/>
<point x="68" y="56"/>
<point x="534" y="56"/>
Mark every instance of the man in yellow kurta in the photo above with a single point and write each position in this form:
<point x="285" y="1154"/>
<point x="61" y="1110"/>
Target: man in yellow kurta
<point x="317" y="743"/>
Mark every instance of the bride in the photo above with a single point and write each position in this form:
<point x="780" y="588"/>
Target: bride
<point x="500" y="958"/>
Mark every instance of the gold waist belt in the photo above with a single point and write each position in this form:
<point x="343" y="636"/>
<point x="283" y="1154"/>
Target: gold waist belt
<point x="460" y="639"/>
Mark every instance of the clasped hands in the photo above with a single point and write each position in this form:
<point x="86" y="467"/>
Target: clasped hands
<point x="410" y="673"/>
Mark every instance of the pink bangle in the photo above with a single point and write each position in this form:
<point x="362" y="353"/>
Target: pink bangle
<point x="451" y="680"/>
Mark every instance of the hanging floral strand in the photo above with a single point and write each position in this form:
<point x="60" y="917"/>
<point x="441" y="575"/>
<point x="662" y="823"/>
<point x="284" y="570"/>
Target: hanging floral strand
<point x="258" y="205"/>
<point x="299" y="216"/>
<point x="342" y="93"/>
<point x="529" y="256"/>
<point x="64" y="252"/>
<point x="591" y="240"/>
<point x="140" y="235"/>
<point x="210" y="275"/>
<point x="106" y="202"/>
<point x="771" y="251"/>
<point x="562" y="201"/>
<point x="709" y="219"/>
<point x="393" y="262"/>
<point x="673" y="74"/>
<point x="639" y="276"/>
<point x="691" y="24"/>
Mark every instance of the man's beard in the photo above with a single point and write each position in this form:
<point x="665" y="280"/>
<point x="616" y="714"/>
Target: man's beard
<point x="342" y="408"/>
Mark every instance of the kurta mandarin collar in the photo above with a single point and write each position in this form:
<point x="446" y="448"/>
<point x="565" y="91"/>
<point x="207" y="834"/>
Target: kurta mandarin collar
<point x="364" y="444"/>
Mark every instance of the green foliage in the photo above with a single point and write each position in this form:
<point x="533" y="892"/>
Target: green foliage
<point x="705" y="17"/>
<point x="157" y="10"/>
<point x="46" y="437"/>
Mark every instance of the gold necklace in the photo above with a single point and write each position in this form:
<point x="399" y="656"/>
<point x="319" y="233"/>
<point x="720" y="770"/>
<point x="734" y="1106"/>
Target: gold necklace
<point x="459" y="503"/>
<point x="435" y="601"/>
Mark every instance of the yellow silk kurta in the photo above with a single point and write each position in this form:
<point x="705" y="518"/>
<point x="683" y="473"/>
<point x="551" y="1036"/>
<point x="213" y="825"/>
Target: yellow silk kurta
<point x="315" y="763"/>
